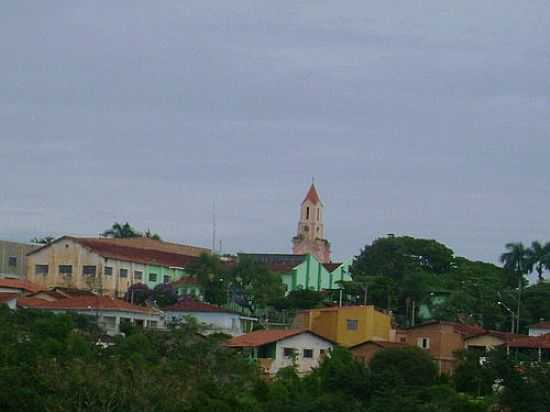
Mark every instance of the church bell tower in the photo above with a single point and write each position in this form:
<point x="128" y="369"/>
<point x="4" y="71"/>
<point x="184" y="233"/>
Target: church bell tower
<point x="310" y="238"/>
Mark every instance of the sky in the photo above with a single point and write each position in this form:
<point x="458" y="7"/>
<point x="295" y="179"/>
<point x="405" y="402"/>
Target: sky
<point x="426" y="118"/>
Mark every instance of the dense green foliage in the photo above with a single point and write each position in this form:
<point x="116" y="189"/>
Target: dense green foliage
<point x="403" y="273"/>
<point x="52" y="363"/>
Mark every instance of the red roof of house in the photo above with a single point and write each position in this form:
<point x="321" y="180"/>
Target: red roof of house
<point x="540" y="325"/>
<point x="82" y="303"/>
<point x="132" y="254"/>
<point x="20" y="285"/>
<point x="533" y="342"/>
<point x="187" y="305"/>
<point x="312" y="195"/>
<point x="382" y="344"/>
<point x="263" y="337"/>
<point x="186" y="280"/>
<point x="6" y="297"/>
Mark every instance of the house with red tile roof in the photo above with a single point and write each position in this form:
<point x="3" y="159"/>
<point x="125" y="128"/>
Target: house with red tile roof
<point x="214" y="319"/>
<point x="18" y="286"/>
<point x="276" y="349"/>
<point x="530" y="347"/>
<point x="9" y="299"/>
<point x="539" y="329"/>
<point x="108" y="266"/>
<point x="109" y="312"/>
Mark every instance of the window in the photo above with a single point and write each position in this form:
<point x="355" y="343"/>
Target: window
<point x="403" y="339"/>
<point x="307" y="213"/>
<point x="423" y="343"/>
<point x="153" y="324"/>
<point x="166" y="279"/>
<point x="318" y="214"/>
<point x="108" y="271"/>
<point x="40" y="269"/>
<point x="12" y="261"/>
<point x="123" y="273"/>
<point x="352" y="324"/>
<point x="308" y="353"/>
<point x="88" y="270"/>
<point x="66" y="270"/>
<point x="288" y="352"/>
<point x="152" y="277"/>
<point x="138" y="275"/>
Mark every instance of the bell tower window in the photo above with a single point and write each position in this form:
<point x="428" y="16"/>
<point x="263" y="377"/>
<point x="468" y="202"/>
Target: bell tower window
<point x="307" y="213"/>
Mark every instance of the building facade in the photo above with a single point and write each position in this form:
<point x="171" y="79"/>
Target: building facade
<point x="103" y="265"/>
<point x="310" y="237"/>
<point x="347" y="325"/>
<point x="277" y="349"/>
<point x="13" y="258"/>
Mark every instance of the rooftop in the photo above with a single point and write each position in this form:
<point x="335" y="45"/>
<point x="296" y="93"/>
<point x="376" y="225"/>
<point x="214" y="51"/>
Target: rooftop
<point x="187" y="305"/>
<point x="263" y="337"/>
<point x="82" y="303"/>
<point x="19" y="284"/>
<point x="6" y="297"/>
<point x="312" y="195"/>
<point x="381" y="344"/>
<point x="540" y="325"/>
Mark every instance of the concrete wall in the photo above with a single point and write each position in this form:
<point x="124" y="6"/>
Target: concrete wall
<point x="18" y="251"/>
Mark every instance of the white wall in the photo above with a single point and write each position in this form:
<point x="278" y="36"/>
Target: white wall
<point x="229" y="323"/>
<point x="538" y="332"/>
<point x="299" y="343"/>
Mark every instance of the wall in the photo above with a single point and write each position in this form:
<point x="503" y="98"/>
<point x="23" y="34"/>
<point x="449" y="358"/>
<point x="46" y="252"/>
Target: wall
<point x="538" y="332"/>
<point x="366" y="352"/>
<point x="69" y="252"/>
<point x="485" y="341"/>
<point x="216" y="321"/>
<point x="161" y="271"/>
<point x="300" y="342"/>
<point x="17" y="250"/>
<point x="333" y="324"/>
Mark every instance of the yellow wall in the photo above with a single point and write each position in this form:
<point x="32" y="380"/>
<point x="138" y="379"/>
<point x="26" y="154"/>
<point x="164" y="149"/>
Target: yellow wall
<point x="332" y="324"/>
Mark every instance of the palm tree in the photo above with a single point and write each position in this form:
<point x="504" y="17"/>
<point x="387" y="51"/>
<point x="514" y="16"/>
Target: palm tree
<point x="515" y="260"/>
<point x="121" y="231"/>
<point x="538" y="258"/>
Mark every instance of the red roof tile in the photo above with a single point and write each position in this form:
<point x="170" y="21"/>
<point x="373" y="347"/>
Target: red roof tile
<point x="186" y="280"/>
<point x="20" y="285"/>
<point x="6" y="297"/>
<point x="146" y="256"/>
<point x="540" y="325"/>
<point x="534" y="342"/>
<point x="193" y="306"/>
<point x="312" y="195"/>
<point x="381" y="344"/>
<point x="263" y="337"/>
<point x="82" y="303"/>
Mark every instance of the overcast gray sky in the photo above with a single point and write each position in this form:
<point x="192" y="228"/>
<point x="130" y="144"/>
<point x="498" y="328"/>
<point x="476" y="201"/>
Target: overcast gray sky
<point x="428" y="118"/>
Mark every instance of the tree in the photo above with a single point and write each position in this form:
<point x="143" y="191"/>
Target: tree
<point x="538" y="258"/>
<point x="209" y="270"/>
<point x="149" y="235"/>
<point x="411" y="367"/>
<point x="44" y="240"/>
<point x="298" y="299"/>
<point x="255" y="283"/>
<point x="536" y="302"/>
<point x="164" y="295"/>
<point x="138" y="294"/>
<point x="121" y="231"/>
<point x="516" y="260"/>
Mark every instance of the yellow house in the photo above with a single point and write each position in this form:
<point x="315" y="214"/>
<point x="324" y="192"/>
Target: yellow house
<point x="347" y="325"/>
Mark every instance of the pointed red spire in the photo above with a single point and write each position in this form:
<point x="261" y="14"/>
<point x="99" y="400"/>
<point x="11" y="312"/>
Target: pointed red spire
<point x="312" y="195"/>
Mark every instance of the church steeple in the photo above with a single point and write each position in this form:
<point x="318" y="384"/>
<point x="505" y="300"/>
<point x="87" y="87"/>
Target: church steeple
<point x="311" y="229"/>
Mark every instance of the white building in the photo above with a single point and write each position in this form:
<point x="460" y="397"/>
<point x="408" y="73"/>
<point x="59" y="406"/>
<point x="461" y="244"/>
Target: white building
<point x="213" y="318"/>
<point x="108" y="312"/>
<point x="277" y="349"/>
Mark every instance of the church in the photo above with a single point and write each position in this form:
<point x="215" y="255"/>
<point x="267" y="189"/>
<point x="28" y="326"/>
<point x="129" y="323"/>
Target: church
<point x="310" y="265"/>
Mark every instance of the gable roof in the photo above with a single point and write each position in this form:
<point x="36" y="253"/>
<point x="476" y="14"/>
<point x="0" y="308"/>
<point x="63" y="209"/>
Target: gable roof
<point x="533" y="342"/>
<point x="82" y="303"/>
<point x="263" y="337"/>
<point x="19" y="284"/>
<point x="187" y="305"/>
<point x="460" y="328"/>
<point x="312" y="195"/>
